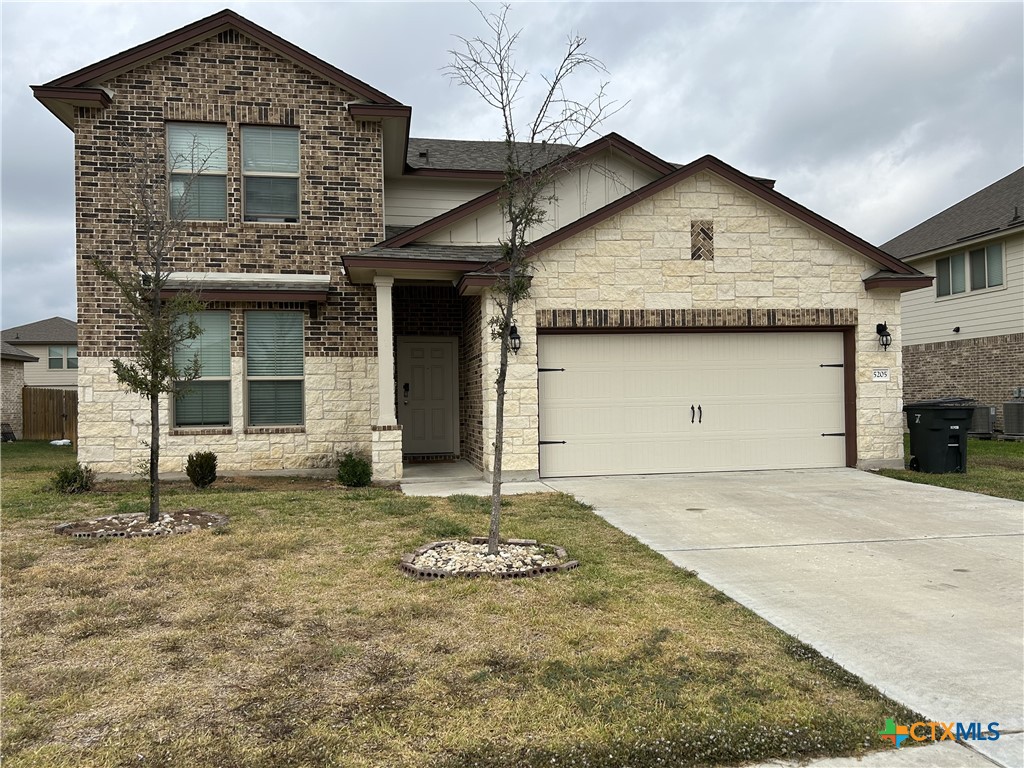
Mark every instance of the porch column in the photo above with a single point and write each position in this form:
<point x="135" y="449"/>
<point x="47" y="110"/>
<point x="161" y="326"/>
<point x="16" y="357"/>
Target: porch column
<point x="385" y="353"/>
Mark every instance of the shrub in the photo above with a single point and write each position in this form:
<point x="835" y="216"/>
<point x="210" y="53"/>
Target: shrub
<point x="354" y="470"/>
<point x="201" y="468"/>
<point x="73" y="478"/>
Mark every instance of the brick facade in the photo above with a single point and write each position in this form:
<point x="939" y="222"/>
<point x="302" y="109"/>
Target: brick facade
<point x="232" y="80"/>
<point x="11" y="384"/>
<point x="986" y="369"/>
<point x="471" y="382"/>
<point x="424" y="310"/>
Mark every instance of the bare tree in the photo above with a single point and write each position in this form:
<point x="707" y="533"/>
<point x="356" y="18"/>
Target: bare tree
<point x="536" y="137"/>
<point x="165" y="323"/>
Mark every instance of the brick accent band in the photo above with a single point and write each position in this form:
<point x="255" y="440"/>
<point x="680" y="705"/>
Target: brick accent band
<point x="694" y="318"/>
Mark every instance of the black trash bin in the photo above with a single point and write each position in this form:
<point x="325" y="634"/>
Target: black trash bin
<point x="938" y="434"/>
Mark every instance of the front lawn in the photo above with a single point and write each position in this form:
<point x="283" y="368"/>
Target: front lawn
<point x="994" y="467"/>
<point x="291" y="638"/>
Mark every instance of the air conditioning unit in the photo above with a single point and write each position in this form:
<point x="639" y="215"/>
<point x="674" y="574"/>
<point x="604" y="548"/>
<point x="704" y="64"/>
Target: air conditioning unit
<point x="1013" y="418"/>
<point x="983" y="422"/>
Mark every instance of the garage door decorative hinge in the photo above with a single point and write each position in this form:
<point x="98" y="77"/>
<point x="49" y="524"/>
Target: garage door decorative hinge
<point x="551" y="442"/>
<point x="833" y="434"/>
<point x="831" y="365"/>
<point x="547" y="370"/>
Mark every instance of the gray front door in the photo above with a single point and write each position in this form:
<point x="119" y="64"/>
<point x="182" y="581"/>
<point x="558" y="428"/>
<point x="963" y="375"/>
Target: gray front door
<point x="428" y="394"/>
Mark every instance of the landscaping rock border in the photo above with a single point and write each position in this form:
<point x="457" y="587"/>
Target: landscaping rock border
<point x="409" y="567"/>
<point x="133" y="525"/>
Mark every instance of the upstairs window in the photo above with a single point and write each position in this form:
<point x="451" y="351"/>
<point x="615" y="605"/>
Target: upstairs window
<point x="206" y="401"/>
<point x="59" y="358"/>
<point x="274" y="365"/>
<point x="986" y="267"/>
<point x="197" y="157"/>
<point x="270" y="173"/>
<point x="983" y="266"/>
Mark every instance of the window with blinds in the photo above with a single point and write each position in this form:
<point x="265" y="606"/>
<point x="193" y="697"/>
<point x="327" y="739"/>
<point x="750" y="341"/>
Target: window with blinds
<point x="206" y="401"/>
<point x="274" y="368"/>
<point x="197" y="158"/>
<point x="270" y="173"/>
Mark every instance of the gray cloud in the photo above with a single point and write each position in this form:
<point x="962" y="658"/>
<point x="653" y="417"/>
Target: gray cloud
<point x="875" y="115"/>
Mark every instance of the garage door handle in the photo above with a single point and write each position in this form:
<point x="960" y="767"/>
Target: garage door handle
<point x="700" y="415"/>
<point x="693" y="413"/>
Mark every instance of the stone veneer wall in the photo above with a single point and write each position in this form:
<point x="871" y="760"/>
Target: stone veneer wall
<point x="230" y="79"/>
<point x="339" y="408"/>
<point x="766" y="265"/>
<point x="12" y="381"/>
<point x="987" y="369"/>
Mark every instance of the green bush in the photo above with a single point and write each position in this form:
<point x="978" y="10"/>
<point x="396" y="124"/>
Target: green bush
<point x="73" y="478"/>
<point x="201" y="468"/>
<point x="354" y="470"/>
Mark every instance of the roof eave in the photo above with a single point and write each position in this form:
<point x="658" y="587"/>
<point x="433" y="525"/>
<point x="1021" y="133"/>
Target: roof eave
<point x="966" y="243"/>
<point x="61" y="101"/>
<point x="901" y="282"/>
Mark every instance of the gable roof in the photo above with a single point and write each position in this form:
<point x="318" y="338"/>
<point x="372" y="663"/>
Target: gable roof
<point x="566" y="160"/>
<point x="998" y="207"/>
<point x="56" y="330"/>
<point x="892" y="272"/>
<point x="79" y="88"/>
<point x="8" y="352"/>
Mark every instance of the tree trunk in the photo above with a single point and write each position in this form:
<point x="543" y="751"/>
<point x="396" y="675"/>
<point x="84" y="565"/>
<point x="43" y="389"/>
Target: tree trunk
<point x="499" y="436"/>
<point x="154" y="458"/>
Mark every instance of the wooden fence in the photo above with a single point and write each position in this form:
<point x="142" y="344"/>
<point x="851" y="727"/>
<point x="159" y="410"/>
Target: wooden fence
<point x="50" y="414"/>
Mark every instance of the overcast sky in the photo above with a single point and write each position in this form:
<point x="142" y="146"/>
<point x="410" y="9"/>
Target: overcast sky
<point x="875" y="115"/>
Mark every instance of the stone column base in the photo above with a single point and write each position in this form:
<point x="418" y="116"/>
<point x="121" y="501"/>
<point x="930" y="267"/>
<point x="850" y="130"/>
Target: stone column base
<point x="387" y="454"/>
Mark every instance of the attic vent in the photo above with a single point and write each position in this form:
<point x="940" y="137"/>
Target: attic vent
<point x="702" y="240"/>
<point x="229" y="36"/>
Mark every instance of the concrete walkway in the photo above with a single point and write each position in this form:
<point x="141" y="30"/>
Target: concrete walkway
<point x="919" y="590"/>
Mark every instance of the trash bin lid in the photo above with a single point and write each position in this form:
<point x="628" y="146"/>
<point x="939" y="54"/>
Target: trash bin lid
<point x="941" y="402"/>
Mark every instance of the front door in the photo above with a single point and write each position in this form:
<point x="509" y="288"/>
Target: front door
<point x="427" y="395"/>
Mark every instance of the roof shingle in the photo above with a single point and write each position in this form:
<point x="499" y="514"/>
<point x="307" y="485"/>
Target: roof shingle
<point x="56" y="330"/>
<point x="989" y="211"/>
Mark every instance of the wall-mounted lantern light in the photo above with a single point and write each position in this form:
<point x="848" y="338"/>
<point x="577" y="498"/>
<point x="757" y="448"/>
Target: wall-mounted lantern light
<point x="515" y="341"/>
<point x="884" y="337"/>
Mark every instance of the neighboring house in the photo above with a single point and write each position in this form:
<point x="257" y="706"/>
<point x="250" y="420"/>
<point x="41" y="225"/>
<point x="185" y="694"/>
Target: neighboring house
<point x="964" y="336"/>
<point x="682" y="317"/>
<point x="54" y="344"/>
<point x="12" y="366"/>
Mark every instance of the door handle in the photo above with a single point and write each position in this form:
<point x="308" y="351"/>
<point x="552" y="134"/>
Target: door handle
<point x="700" y="415"/>
<point x="693" y="413"/>
<point x="405" y="393"/>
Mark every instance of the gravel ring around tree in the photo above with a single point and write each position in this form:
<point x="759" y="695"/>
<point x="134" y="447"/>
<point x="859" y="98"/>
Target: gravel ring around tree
<point x="136" y="525"/>
<point x="516" y="558"/>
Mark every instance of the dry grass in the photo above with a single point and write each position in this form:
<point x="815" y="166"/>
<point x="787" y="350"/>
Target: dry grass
<point x="994" y="467"/>
<point x="291" y="638"/>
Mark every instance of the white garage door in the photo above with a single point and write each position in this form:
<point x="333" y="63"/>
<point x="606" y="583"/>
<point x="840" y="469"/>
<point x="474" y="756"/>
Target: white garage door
<point x="690" y="402"/>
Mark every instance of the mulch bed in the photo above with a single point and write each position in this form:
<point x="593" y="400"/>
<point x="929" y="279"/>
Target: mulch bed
<point x="135" y="525"/>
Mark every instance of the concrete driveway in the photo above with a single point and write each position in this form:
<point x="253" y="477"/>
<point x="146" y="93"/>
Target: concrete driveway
<point x="919" y="590"/>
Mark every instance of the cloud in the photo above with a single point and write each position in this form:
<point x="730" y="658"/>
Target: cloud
<point x="875" y="115"/>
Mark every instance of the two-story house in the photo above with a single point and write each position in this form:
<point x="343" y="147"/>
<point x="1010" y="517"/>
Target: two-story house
<point x="54" y="345"/>
<point x="682" y="318"/>
<point x="964" y="336"/>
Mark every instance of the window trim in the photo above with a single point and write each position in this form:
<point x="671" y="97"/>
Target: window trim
<point x="246" y="378"/>
<point x="966" y="253"/>
<point x="184" y="428"/>
<point x="64" y="358"/>
<point x="171" y="173"/>
<point x="297" y="175"/>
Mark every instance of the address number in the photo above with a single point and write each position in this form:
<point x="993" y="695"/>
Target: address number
<point x="880" y="374"/>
